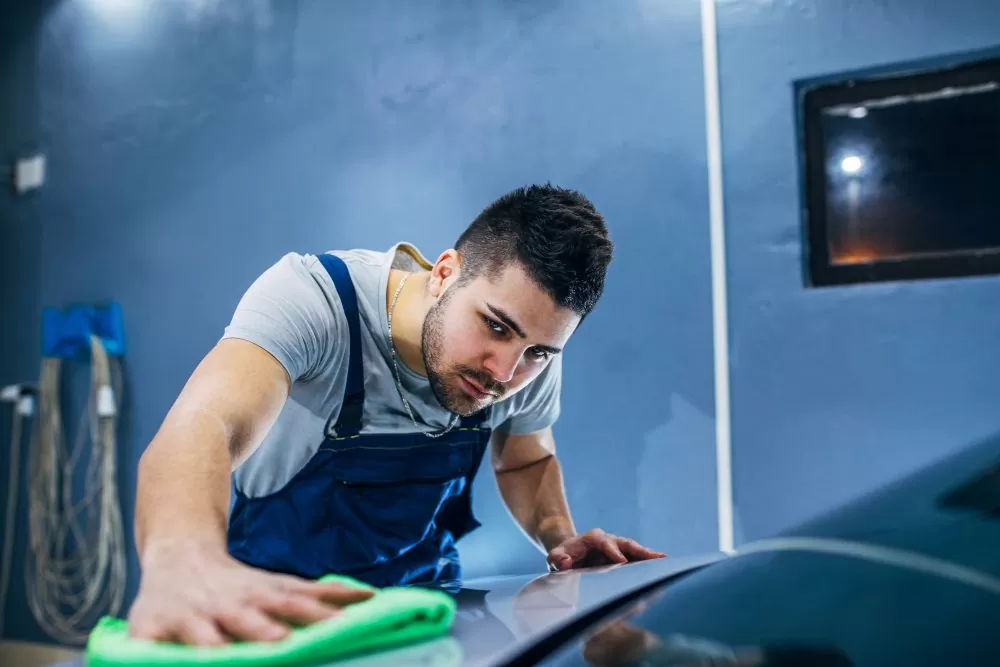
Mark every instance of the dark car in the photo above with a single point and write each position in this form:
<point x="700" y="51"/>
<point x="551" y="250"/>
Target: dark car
<point x="906" y="576"/>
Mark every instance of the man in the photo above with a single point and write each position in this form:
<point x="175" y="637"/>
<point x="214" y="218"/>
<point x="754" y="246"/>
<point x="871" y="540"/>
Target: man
<point x="352" y="399"/>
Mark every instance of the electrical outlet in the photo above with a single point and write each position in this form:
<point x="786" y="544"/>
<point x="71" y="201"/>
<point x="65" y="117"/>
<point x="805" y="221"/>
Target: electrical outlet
<point x="29" y="173"/>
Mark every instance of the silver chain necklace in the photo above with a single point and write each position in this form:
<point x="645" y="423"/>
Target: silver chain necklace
<point x="395" y="366"/>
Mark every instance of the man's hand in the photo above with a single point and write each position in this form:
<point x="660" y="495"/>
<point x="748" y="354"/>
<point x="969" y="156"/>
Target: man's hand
<point x="199" y="596"/>
<point x="595" y="547"/>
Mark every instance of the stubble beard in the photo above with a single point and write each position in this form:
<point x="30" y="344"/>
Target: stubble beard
<point x="445" y="382"/>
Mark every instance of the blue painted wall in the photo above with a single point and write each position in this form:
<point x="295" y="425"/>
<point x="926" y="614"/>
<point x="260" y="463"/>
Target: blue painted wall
<point x="20" y="252"/>
<point x="19" y="214"/>
<point x="192" y="144"/>
<point x="836" y="391"/>
<point x="189" y="147"/>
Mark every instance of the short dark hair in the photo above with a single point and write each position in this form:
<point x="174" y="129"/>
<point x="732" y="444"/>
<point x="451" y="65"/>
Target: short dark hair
<point x="556" y="234"/>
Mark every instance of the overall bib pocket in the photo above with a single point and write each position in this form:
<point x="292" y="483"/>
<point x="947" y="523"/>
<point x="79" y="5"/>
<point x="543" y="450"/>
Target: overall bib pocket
<point x="400" y="491"/>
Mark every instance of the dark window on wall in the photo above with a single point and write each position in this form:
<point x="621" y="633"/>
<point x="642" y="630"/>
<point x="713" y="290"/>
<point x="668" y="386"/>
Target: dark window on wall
<point x="902" y="175"/>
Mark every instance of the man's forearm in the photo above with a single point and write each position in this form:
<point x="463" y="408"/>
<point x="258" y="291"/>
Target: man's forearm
<point x="183" y="487"/>
<point x="537" y="498"/>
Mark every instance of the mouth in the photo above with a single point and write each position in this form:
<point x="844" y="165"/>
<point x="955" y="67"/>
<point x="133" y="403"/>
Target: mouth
<point x="473" y="389"/>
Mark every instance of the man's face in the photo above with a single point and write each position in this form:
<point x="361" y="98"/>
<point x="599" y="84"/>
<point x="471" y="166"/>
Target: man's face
<point x="485" y="340"/>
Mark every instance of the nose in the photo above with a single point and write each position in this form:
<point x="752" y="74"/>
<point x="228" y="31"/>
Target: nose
<point x="502" y="363"/>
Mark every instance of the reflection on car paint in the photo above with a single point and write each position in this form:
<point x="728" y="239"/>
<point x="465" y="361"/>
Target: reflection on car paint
<point x="440" y="652"/>
<point x="619" y="643"/>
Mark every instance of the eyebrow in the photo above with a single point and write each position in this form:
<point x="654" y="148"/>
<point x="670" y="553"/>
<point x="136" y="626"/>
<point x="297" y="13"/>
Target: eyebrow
<point x="509" y="321"/>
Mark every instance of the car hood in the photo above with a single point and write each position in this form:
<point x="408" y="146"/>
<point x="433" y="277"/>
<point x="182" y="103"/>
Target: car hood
<point x="498" y="618"/>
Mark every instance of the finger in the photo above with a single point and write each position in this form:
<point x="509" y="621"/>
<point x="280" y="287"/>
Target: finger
<point x="149" y="629"/>
<point x="567" y="554"/>
<point x="560" y="559"/>
<point x="326" y="591"/>
<point x="198" y="631"/>
<point x="339" y="594"/>
<point x="636" y="551"/>
<point x="250" y="624"/>
<point x="609" y="545"/>
<point x="299" y="609"/>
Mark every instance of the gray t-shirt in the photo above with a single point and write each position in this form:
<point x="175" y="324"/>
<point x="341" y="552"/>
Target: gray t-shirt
<point x="294" y="312"/>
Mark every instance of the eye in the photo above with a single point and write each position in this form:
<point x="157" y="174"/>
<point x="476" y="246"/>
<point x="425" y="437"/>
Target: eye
<point x="539" y="354"/>
<point x="494" y="326"/>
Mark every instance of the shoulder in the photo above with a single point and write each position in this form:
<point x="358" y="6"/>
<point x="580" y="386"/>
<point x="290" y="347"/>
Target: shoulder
<point x="307" y="275"/>
<point x="294" y="311"/>
<point x="363" y="260"/>
<point x="365" y="266"/>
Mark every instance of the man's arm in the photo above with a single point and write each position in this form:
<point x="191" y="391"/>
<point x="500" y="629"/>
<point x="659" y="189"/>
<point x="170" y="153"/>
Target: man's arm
<point x="531" y="484"/>
<point x="192" y="591"/>
<point x="220" y="417"/>
<point x="282" y="328"/>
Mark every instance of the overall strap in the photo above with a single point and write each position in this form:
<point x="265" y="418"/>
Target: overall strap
<point x="349" y="419"/>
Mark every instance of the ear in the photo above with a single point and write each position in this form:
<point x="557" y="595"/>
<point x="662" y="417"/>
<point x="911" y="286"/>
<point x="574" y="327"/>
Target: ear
<point x="444" y="273"/>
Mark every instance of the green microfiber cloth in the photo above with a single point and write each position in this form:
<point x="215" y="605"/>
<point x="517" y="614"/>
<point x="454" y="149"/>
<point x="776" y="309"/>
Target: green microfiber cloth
<point x="391" y="617"/>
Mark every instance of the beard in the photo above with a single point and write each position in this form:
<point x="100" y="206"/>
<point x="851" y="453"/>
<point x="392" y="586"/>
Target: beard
<point x="444" y="380"/>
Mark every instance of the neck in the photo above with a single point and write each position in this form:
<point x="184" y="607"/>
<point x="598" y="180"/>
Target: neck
<point x="408" y="317"/>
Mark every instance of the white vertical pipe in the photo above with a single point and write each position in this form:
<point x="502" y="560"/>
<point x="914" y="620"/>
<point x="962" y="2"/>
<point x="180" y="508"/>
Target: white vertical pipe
<point x="720" y="324"/>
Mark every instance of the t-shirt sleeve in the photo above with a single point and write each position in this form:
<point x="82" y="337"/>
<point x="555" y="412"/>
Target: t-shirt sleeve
<point x="289" y="313"/>
<point x="536" y="406"/>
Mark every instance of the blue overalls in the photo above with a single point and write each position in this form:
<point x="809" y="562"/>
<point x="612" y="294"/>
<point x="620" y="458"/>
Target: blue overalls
<point x="386" y="509"/>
